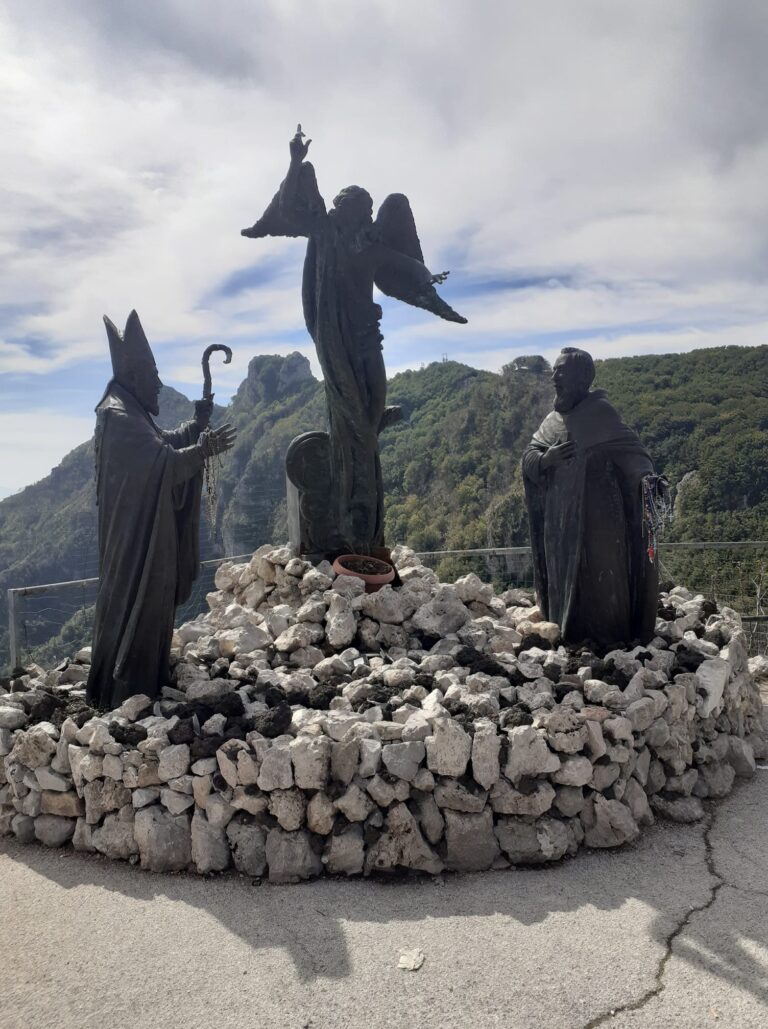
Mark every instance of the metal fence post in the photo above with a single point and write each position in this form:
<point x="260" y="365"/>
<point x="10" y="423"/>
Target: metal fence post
<point x="13" y="627"/>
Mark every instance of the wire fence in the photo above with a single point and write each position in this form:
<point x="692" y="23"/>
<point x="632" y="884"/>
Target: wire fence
<point x="732" y="573"/>
<point x="49" y="623"/>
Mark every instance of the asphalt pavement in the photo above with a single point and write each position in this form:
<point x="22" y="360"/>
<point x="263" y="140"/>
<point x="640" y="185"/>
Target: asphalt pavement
<point x="669" y="932"/>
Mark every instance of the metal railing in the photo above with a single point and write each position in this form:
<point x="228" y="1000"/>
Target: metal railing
<point x="50" y="632"/>
<point x="18" y="638"/>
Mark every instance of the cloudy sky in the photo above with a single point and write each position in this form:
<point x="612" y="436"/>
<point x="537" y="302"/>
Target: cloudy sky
<point x="592" y="172"/>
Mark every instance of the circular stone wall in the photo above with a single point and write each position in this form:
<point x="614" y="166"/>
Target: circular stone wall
<point x="312" y="728"/>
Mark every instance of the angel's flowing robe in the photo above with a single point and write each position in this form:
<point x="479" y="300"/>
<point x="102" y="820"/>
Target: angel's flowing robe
<point x="343" y="321"/>
<point x="148" y="485"/>
<point x="592" y="571"/>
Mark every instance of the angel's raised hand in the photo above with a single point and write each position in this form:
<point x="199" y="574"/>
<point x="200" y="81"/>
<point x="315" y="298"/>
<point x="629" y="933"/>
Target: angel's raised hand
<point x="297" y="146"/>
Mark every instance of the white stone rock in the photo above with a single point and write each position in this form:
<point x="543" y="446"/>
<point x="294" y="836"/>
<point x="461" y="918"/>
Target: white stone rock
<point x="416" y="727"/>
<point x="354" y="804"/>
<point x="298" y="636"/>
<point x="448" y="749"/>
<point x="442" y="615"/>
<point x="403" y="759"/>
<point x="134" y="707"/>
<point x="244" y="640"/>
<point x="340" y="623"/>
<point x="471" y="588"/>
<point x="33" y="748"/>
<point x="386" y="605"/>
<point x="66" y="803"/>
<point x="402" y="845"/>
<point x="228" y="756"/>
<point x="370" y="757"/>
<point x="248" y="844"/>
<point x="209" y="691"/>
<point x="486" y="744"/>
<point x="528" y="754"/>
<point x="54" y="830"/>
<point x="49" y="780"/>
<point x="210" y="849"/>
<point x="311" y="757"/>
<point x="345" y="852"/>
<point x="143" y="797"/>
<point x="276" y="772"/>
<point x="175" y="802"/>
<point x="218" y="811"/>
<point x="471" y="845"/>
<point x="711" y="677"/>
<point x="173" y="761"/>
<point x="115" y="837"/>
<point x="607" y="823"/>
<point x="290" y="857"/>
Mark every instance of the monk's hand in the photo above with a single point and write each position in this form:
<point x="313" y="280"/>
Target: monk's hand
<point x="203" y="412"/>
<point x="558" y="455"/>
<point x="217" y="441"/>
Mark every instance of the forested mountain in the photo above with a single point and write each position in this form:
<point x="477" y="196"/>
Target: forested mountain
<point x="451" y="467"/>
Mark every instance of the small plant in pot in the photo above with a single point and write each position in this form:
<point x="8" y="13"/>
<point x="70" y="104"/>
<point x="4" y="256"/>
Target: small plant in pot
<point x="374" y="571"/>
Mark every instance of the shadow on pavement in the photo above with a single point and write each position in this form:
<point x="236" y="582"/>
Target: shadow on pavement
<point x="667" y="864"/>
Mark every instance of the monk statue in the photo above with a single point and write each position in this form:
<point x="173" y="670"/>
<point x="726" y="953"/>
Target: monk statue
<point x="593" y="510"/>
<point x="148" y="486"/>
<point x="347" y="254"/>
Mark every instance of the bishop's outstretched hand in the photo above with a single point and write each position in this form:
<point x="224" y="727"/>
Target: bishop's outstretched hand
<point x="217" y="441"/>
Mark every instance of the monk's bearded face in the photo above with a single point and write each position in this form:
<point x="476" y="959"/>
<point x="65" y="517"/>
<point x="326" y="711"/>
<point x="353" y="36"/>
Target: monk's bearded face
<point x="571" y="384"/>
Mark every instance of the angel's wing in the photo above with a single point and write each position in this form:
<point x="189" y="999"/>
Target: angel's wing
<point x="396" y="226"/>
<point x="294" y="218"/>
<point x="401" y="273"/>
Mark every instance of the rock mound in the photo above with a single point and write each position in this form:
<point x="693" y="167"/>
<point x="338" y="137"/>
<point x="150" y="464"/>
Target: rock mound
<point x="311" y="727"/>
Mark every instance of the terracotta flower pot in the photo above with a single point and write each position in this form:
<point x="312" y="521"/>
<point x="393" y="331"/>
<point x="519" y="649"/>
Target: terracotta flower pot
<point x="371" y="570"/>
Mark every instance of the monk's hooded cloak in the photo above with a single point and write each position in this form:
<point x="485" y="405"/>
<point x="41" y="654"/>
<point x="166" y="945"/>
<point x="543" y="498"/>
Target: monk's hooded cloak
<point x="148" y="494"/>
<point x="592" y="571"/>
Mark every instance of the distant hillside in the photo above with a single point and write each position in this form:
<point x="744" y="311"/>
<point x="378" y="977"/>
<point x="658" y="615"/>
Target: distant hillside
<point x="451" y="468"/>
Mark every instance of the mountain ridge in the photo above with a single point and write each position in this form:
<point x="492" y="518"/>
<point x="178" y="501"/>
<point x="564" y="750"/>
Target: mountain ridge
<point x="451" y="467"/>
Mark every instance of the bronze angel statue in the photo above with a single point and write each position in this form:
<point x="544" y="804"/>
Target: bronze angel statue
<point x="348" y="253"/>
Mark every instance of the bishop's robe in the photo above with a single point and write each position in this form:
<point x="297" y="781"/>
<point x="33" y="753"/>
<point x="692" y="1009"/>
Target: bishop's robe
<point x="592" y="571"/>
<point x="148" y="485"/>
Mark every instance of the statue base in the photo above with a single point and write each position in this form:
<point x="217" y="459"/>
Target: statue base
<point x="312" y="522"/>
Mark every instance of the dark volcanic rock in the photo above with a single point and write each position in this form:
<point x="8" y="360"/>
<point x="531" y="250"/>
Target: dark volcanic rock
<point x="129" y="735"/>
<point x="205" y="746"/>
<point x="534" y="640"/>
<point x="320" y="698"/>
<point x="476" y="661"/>
<point x="77" y="710"/>
<point x="511" y="717"/>
<point x="687" y="659"/>
<point x="231" y="705"/>
<point x="274" y="695"/>
<point x="40" y="705"/>
<point x="183" y="732"/>
<point x="274" y="722"/>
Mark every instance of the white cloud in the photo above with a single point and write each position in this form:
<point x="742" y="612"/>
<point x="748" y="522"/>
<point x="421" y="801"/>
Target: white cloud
<point x="618" y="149"/>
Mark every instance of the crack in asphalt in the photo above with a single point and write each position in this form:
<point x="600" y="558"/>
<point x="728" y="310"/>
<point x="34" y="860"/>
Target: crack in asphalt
<point x="659" y="984"/>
